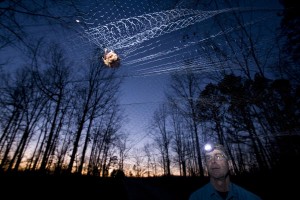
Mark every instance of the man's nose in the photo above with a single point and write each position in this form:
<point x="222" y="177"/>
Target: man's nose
<point x="213" y="159"/>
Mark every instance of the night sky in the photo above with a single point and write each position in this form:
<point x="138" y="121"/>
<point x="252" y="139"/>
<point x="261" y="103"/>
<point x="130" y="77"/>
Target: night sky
<point x="146" y="65"/>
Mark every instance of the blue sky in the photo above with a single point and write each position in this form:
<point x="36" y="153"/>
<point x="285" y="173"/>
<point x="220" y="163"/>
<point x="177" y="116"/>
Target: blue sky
<point x="144" y="85"/>
<point x="141" y="95"/>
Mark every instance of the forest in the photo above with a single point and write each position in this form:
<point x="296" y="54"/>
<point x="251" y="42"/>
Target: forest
<point x="63" y="118"/>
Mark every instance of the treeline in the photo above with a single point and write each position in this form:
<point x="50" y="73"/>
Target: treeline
<point x="256" y="120"/>
<point x="53" y="119"/>
<point x="250" y="103"/>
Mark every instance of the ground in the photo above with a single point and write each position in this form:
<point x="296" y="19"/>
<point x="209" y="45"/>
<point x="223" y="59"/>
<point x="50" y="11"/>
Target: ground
<point x="128" y="188"/>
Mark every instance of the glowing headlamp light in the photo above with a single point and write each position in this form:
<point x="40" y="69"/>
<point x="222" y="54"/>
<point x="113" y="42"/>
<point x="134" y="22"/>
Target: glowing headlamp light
<point x="209" y="147"/>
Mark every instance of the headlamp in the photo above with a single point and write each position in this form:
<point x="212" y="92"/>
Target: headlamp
<point x="209" y="147"/>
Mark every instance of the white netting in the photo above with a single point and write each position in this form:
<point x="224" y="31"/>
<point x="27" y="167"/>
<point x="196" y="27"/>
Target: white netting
<point x="148" y="36"/>
<point x="154" y="38"/>
<point x="129" y="32"/>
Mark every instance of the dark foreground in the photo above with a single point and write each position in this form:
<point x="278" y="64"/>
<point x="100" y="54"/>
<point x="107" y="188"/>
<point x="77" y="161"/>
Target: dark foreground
<point x="34" y="186"/>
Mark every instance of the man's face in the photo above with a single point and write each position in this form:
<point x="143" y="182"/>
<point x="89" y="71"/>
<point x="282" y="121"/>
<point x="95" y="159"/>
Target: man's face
<point x="217" y="164"/>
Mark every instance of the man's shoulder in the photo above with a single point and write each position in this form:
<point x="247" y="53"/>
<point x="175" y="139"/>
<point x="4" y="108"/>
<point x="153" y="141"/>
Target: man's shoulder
<point x="244" y="193"/>
<point x="201" y="192"/>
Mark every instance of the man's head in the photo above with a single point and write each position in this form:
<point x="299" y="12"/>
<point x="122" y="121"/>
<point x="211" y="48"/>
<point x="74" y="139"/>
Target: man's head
<point x="217" y="161"/>
<point x="211" y="146"/>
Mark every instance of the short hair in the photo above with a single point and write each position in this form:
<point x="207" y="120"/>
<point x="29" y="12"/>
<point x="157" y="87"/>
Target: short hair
<point x="219" y="147"/>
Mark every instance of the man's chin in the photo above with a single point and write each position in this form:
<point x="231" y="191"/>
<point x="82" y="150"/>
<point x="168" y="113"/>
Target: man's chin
<point x="217" y="175"/>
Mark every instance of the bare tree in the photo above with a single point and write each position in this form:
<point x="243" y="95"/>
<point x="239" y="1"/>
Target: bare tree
<point x="32" y="105"/>
<point x="162" y="136"/>
<point x="290" y="36"/>
<point x="183" y="96"/>
<point x="95" y="96"/>
<point x="123" y="149"/>
<point x="147" y="150"/>
<point x="180" y="141"/>
<point x="138" y="163"/>
<point x="53" y="83"/>
<point x="105" y="142"/>
<point x="17" y="18"/>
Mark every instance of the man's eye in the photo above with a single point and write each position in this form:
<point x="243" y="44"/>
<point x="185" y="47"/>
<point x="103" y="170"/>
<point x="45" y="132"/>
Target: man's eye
<point x="208" y="157"/>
